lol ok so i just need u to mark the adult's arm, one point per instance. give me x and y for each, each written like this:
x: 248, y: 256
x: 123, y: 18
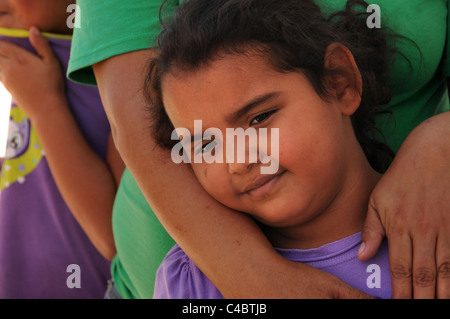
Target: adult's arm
x: 412, y: 201
x: 228, y: 246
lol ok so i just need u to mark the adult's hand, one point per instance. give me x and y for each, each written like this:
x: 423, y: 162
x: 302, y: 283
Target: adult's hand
x: 411, y: 206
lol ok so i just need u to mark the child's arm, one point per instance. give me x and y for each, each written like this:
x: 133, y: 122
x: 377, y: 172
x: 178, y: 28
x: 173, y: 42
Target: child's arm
x: 228, y: 246
x: 85, y: 181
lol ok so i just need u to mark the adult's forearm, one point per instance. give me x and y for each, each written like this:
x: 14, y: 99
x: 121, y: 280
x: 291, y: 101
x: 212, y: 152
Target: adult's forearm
x: 433, y: 134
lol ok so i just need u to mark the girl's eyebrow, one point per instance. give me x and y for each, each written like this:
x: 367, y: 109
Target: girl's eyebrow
x: 248, y: 106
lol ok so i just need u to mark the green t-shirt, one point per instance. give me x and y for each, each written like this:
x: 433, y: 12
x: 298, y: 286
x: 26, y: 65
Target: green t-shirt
x: 417, y: 79
x: 113, y: 27
x: 141, y: 242
x: 109, y: 28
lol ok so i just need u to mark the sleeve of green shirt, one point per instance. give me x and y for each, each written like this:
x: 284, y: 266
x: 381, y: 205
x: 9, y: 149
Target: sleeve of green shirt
x: 109, y: 28
x: 446, y: 59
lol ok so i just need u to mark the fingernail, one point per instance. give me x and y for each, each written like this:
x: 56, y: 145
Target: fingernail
x: 361, y: 248
x: 34, y: 30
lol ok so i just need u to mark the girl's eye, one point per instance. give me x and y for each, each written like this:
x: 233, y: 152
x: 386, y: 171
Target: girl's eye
x: 261, y: 117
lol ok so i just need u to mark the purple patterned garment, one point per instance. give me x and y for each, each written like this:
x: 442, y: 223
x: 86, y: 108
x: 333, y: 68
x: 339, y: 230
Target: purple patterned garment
x: 44, y: 253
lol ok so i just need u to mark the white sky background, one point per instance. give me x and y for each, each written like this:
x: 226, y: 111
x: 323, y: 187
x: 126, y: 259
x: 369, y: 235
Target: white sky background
x: 5, y: 103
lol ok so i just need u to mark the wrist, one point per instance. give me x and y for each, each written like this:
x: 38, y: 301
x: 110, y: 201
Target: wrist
x: 50, y: 106
x: 428, y: 140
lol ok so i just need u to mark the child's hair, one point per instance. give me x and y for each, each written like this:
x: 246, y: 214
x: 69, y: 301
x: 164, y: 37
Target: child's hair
x: 293, y: 35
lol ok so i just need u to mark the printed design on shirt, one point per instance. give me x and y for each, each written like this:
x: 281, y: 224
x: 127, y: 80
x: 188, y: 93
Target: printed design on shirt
x: 23, y: 151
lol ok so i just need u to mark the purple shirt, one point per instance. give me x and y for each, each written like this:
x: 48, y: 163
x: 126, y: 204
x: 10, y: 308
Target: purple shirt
x: 44, y: 253
x: 179, y: 278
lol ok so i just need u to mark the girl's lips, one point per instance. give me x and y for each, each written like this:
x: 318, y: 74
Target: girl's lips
x: 263, y: 185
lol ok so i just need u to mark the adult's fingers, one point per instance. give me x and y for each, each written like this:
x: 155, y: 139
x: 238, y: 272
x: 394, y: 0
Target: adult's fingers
x: 337, y: 289
x: 443, y: 266
x: 424, y: 266
x: 400, y: 257
x: 352, y: 293
x: 372, y: 235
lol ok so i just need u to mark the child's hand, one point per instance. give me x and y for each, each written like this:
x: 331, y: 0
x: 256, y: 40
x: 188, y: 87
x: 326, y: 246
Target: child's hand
x: 35, y: 81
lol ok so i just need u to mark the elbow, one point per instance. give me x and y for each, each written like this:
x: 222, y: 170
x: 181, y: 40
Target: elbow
x: 107, y: 251
x: 109, y: 255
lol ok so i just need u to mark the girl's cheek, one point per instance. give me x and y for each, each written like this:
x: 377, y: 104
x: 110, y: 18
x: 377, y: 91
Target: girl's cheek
x: 205, y: 175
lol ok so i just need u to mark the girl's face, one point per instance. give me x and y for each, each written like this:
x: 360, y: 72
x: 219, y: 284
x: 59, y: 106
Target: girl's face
x: 47, y: 15
x: 315, y: 156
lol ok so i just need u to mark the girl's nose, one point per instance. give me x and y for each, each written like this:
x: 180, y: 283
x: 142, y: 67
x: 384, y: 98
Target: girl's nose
x: 240, y: 168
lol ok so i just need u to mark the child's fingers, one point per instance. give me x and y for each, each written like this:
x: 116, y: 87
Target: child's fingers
x: 9, y: 53
x: 8, y: 49
x: 40, y: 44
x: 3, y: 49
x: 3, y: 62
x: 14, y: 53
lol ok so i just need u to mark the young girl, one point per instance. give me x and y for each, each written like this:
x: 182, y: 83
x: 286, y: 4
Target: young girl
x: 60, y: 169
x: 283, y: 67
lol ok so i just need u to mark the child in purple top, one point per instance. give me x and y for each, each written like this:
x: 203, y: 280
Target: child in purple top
x: 305, y: 89
x: 57, y: 177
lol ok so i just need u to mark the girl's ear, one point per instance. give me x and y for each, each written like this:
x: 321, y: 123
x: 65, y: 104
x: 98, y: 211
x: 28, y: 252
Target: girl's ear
x: 346, y: 82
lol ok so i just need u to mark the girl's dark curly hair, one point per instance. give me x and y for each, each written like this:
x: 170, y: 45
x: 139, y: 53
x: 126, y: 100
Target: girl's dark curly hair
x: 293, y: 35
